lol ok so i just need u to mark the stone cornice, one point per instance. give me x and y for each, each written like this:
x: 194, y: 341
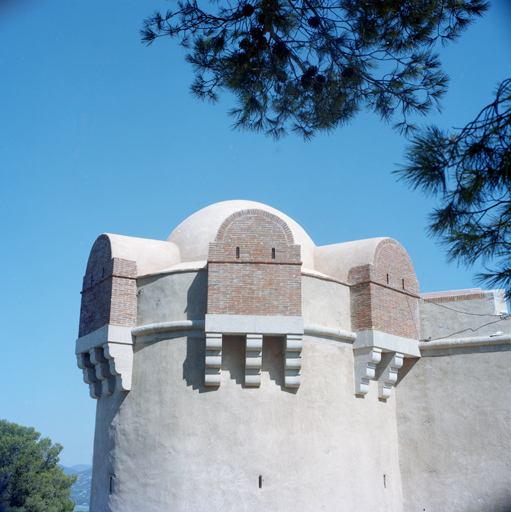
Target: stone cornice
x: 177, y: 325
x: 191, y: 325
x: 464, y: 345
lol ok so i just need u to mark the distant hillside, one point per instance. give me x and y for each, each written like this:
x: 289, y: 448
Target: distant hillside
x: 80, y: 492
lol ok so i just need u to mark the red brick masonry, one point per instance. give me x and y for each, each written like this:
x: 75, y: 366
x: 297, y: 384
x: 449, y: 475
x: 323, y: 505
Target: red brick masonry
x: 254, y: 267
x: 384, y: 296
x: 109, y: 290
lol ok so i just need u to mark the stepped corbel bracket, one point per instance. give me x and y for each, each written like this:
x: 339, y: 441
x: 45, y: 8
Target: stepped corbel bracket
x: 253, y: 360
x: 213, y: 359
x: 89, y: 374
x: 103, y: 374
x: 366, y: 360
x: 379, y: 356
x: 106, y: 358
x: 390, y: 364
x: 120, y: 359
x: 293, y: 361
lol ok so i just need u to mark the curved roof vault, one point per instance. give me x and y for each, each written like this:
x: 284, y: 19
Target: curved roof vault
x: 188, y: 245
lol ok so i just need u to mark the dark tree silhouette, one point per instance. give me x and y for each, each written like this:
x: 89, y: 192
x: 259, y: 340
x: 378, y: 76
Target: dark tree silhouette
x: 312, y: 65
x: 470, y: 170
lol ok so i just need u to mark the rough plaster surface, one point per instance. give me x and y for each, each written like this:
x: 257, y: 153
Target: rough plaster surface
x: 182, y: 296
x: 319, y: 448
x: 337, y: 260
x: 326, y: 303
x: 462, y: 318
x: 454, y: 417
x: 150, y: 255
x: 173, y: 444
x: 195, y: 233
x: 175, y: 296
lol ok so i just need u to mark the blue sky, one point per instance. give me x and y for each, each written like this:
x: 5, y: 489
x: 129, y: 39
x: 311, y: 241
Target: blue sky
x: 98, y: 133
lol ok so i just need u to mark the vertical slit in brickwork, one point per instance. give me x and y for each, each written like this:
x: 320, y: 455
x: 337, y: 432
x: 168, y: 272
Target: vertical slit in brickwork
x: 260, y: 481
x: 273, y: 253
x: 403, y: 284
x: 237, y: 252
x: 387, y: 279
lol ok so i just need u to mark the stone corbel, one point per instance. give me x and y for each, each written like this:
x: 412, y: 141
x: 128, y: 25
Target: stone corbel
x: 390, y: 364
x: 253, y: 360
x: 366, y: 360
x: 379, y: 356
x: 254, y: 327
x: 106, y: 358
x: 293, y: 361
x: 103, y: 374
x: 120, y: 359
x: 213, y: 359
x: 89, y: 374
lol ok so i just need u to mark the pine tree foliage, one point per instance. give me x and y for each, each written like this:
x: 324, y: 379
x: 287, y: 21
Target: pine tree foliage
x: 313, y: 64
x: 470, y: 171
x: 30, y: 479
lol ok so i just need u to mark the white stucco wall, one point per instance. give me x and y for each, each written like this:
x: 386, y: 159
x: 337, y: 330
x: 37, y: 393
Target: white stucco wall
x: 179, y: 446
x: 174, y: 444
x: 325, y: 303
x: 454, y: 419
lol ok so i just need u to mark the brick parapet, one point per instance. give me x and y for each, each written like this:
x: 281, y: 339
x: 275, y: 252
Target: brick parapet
x: 384, y: 295
x: 254, y: 214
x: 254, y: 268
x: 455, y: 298
x: 109, y: 290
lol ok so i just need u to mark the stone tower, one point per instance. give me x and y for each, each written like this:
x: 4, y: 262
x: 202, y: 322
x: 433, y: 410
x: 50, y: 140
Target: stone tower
x: 237, y: 366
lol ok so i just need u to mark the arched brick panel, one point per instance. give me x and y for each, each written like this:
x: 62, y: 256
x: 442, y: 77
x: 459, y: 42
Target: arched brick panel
x: 385, y: 293
x: 254, y: 268
x: 109, y: 290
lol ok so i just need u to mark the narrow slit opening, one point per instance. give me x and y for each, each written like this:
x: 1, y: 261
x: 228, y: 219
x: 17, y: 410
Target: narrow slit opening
x: 260, y: 481
x: 237, y: 252
x: 273, y: 253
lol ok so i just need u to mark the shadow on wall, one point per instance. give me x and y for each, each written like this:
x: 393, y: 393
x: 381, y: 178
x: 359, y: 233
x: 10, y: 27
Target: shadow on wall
x: 408, y: 364
x: 233, y: 361
x: 197, y: 297
x: 194, y: 366
x: 273, y: 361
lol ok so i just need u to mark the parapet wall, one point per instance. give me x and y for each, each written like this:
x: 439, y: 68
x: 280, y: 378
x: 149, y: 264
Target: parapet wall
x: 109, y: 290
x: 385, y: 293
x: 254, y: 268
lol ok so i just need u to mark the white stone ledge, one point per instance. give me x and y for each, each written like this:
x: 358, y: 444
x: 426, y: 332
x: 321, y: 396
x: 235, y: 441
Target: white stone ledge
x: 466, y: 345
x: 254, y: 324
x: 388, y: 343
x: 106, y: 358
x: 329, y: 332
x: 190, y: 325
x: 108, y: 333
x: 177, y: 325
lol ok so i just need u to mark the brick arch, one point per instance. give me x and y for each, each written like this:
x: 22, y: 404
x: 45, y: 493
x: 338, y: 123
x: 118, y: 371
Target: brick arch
x: 391, y: 258
x: 384, y: 293
x: 261, y: 217
x: 99, y: 258
x: 254, y: 268
x: 109, y: 289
